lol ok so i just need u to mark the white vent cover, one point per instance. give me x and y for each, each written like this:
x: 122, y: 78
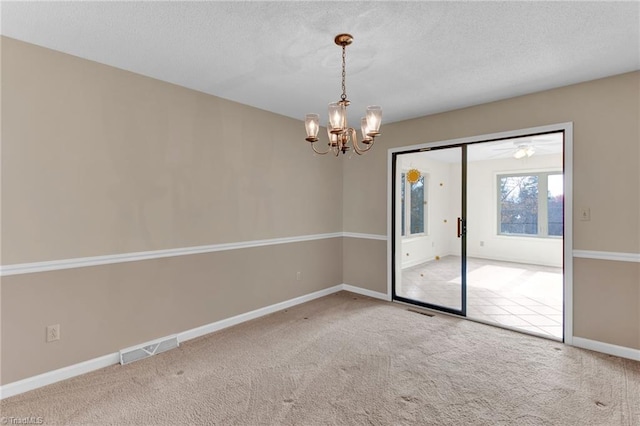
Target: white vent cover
x: 148, y: 349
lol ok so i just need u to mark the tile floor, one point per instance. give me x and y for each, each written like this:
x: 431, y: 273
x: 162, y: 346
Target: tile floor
x: 522, y: 296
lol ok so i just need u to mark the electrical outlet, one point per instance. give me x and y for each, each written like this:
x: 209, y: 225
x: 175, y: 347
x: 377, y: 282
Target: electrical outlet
x: 298, y: 276
x: 53, y: 333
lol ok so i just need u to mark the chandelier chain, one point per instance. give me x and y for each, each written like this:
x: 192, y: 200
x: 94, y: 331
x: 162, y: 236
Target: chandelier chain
x: 344, y: 73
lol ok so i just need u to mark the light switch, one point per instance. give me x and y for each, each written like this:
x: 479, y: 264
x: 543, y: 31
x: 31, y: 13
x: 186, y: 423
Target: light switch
x: 585, y: 214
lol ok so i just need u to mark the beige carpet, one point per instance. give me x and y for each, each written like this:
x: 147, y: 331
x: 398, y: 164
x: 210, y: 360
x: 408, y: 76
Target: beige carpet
x: 352, y: 360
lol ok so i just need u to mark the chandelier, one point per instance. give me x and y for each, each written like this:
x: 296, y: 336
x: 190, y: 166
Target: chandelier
x: 341, y: 137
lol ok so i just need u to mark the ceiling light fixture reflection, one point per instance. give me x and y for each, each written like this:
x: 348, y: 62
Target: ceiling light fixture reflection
x: 524, y: 151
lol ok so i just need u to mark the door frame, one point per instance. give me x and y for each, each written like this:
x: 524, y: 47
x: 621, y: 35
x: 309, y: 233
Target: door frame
x: 567, y: 128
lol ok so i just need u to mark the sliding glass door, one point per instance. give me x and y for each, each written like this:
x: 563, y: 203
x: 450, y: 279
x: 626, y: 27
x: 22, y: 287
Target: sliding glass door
x: 430, y: 228
x: 478, y: 230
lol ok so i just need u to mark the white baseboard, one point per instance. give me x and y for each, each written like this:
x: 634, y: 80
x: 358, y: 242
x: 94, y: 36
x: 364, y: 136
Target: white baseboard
x: 366, y: 292
x: 607, y: 348
x: 58, y: 375
x: 228, y: 322
x: 50, y: 377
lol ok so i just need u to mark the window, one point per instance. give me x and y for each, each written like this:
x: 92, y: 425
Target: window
x: 531, y: 204
x: 413, y: 195
x: 555, y: 204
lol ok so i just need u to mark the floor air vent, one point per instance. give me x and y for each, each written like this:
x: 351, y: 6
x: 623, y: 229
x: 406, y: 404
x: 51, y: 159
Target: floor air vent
x: 146, y: 350
x: 426, y: 314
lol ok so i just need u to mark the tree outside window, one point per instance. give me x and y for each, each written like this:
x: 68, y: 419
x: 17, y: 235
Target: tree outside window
x: 531, y: 204
x: 413, y: 195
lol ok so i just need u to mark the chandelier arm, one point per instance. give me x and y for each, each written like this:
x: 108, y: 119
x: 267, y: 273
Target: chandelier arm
x: 337, y: 149
x: 369, y: 146
x: 354, y: 142
x: 332, y: 148
x: 313, y: 146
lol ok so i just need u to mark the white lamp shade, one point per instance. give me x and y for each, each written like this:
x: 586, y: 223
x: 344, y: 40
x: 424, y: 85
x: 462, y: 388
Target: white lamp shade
x: 312, y: 124
x: 374, y: 118
x: 364, y: 126
x: 337, y: 117
x: 333, y: 138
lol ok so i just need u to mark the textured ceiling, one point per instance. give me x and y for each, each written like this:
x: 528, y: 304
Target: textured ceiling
x: 412, y: 58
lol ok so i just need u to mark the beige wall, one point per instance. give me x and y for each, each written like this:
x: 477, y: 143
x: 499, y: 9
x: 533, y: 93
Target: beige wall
x: 607, y: 294
x: 606, y: 178
x: 97, y: 161
x: 363, y: 265
x: 100, y: 161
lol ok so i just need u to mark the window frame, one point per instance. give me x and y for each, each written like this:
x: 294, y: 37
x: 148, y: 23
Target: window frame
x: 543, y: 205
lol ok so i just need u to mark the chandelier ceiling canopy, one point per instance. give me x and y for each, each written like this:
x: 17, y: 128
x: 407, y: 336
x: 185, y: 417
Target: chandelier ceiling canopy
x: 343, y: 138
